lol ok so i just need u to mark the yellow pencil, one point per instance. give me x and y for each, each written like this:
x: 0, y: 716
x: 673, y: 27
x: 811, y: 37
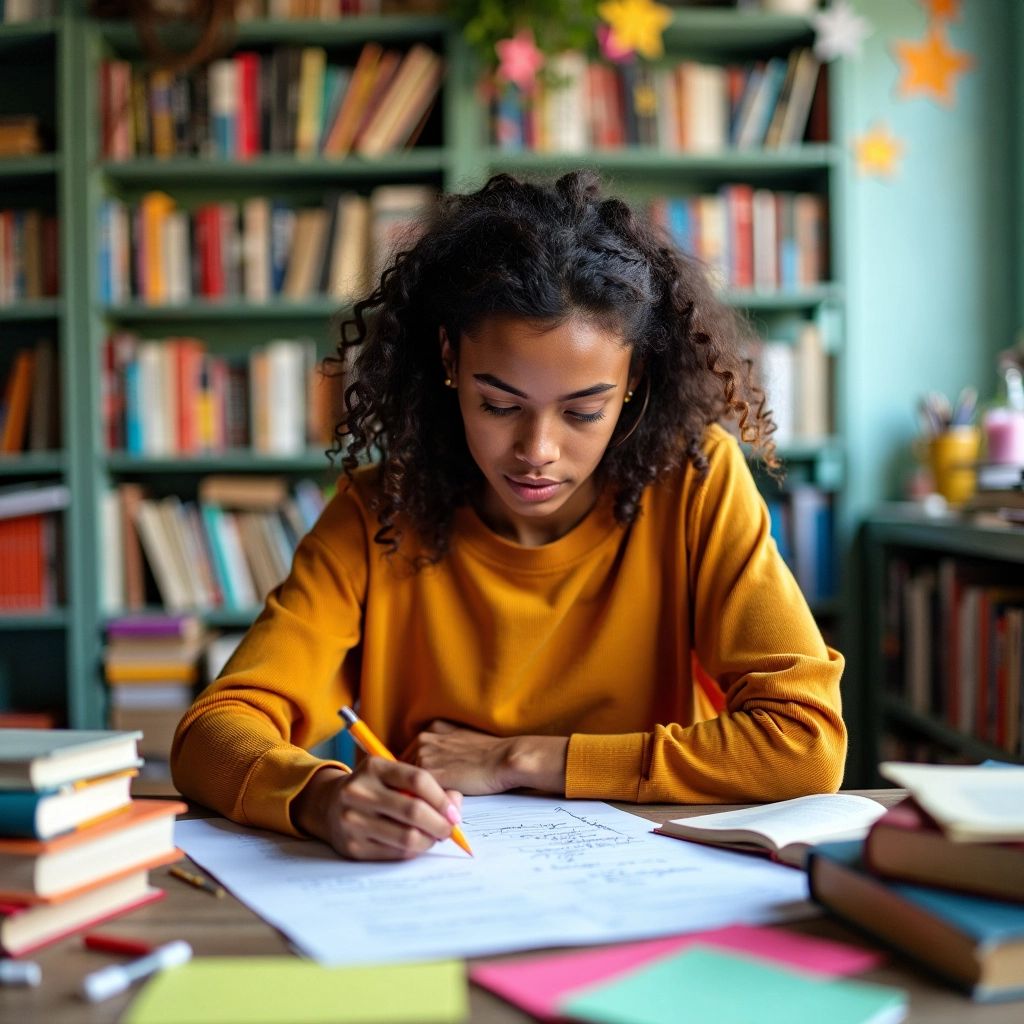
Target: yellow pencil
x: 364, y: 736
x: 198, y: 881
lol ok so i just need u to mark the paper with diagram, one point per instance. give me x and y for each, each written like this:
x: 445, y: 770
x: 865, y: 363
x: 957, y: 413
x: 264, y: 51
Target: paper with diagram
x: 547, y: 872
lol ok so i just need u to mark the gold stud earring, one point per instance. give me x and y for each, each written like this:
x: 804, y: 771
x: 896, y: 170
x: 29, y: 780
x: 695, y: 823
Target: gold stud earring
x: 447, y: 382
x: 629, y: 397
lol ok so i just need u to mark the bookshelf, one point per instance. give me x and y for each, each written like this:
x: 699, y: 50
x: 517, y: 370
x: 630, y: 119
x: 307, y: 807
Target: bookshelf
x: 454, y: 152
x: 927, y: 579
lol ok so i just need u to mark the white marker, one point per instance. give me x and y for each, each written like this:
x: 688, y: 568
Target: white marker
x: 109, y: 981
x: 20, y: 972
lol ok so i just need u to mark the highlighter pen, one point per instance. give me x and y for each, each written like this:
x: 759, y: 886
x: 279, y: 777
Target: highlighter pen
x: 364, y: 736
x: 116, y: 944
x: 109, y: 981
x: 26, y: 973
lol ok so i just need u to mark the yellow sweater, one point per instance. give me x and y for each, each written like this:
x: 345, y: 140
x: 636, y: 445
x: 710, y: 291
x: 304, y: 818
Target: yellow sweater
x: 591, y: 636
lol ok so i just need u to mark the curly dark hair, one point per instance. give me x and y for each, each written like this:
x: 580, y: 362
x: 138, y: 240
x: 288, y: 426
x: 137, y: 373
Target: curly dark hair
x: 544, y: 252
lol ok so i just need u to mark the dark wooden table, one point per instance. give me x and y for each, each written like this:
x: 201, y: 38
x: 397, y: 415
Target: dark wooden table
x: 219, y: 927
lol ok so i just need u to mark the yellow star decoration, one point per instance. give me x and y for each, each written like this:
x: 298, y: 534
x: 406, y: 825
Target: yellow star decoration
x: 637, y: 24
x: 948, y: 9
x: 931, y: 66
x: 877, y: 152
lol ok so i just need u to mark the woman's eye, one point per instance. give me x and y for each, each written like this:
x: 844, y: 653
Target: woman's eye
x: 498, y: 410
x: 587, y: 417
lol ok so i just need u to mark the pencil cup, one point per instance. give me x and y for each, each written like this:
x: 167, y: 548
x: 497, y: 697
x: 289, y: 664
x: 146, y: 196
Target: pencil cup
x: 1004, y: 436
x: 952, y: 456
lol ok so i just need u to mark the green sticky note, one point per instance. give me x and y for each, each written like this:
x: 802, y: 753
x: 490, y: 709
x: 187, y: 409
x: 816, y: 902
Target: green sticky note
x: 706, y: 984
x: 282, y: 990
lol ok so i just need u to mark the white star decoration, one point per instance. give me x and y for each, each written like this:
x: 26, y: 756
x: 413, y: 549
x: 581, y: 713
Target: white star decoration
x: 840, y: 32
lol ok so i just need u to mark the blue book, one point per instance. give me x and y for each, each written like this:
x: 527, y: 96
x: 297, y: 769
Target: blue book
x: 48, y: 813
x: 974, y: 942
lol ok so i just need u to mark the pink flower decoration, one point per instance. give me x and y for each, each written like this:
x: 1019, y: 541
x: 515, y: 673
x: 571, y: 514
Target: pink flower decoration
x: 611, y: 49
x: 520, y: 60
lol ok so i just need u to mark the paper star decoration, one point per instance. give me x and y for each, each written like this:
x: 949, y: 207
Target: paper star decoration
x: 636, y: 25
x: 519, y: 59
x: 610, y: 49
x: 948, y: 9
x: 877, y: 152
x: 931, y: 66
x: 839, y: 32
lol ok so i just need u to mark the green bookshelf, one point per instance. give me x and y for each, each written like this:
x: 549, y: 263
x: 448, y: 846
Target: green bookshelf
x: 82, y: 178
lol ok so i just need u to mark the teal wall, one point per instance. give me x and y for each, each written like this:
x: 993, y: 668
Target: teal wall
x: 934, y: 287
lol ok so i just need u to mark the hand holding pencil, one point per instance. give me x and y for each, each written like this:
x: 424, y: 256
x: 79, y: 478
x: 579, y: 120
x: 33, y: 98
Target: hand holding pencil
x: 385, y: 810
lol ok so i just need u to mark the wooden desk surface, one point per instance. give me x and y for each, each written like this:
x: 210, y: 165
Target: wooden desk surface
x: 219, y: 927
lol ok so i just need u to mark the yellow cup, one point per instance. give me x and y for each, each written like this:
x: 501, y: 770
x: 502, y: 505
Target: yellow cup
x: 952, y: 456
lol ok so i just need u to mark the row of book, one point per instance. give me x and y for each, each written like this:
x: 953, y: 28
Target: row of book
x: 691, y: 107
x: 31, y: 546
x: 796, y: 376
x: 173, y: 397
x: 940, y: 876
x: 953, y: 644
x: 14, y: 12
x: 75, y: 848
x: 321, y: 10
x: 29, y: 416
x: 227, y: 549
x: 803, y: 528
x: 258, y: 249
x: 288, y: 100
x: 750, y: 237
x: 29, y: 255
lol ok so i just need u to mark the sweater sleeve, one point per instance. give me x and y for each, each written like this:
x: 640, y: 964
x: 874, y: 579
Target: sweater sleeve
x: 781, y: 734
x: 241, y: 747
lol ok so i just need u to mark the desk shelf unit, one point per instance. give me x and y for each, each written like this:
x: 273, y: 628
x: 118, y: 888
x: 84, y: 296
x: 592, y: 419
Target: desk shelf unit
x: 943, y: 641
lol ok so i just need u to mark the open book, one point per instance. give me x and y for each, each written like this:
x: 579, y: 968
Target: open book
x: 784, y: 830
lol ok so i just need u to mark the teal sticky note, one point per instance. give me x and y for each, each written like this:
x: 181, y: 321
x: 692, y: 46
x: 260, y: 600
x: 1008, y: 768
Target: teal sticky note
x: 707, y: 984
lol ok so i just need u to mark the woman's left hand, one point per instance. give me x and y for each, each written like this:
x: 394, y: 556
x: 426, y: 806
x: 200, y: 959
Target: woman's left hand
x: 475, y: 763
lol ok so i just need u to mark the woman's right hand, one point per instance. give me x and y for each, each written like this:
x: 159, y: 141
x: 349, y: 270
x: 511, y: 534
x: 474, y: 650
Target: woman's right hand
x: 384, y: 810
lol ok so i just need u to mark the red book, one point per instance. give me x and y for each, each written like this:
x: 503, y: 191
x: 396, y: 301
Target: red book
x: 208, y: 244
x: 740, y: 206
x: 248, y: 78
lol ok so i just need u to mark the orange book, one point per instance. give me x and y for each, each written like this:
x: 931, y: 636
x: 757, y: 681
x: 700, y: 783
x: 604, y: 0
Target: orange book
x: 19, y: 391
x: 360, y: 87
x: 114, y: 847
x: 156, y: 207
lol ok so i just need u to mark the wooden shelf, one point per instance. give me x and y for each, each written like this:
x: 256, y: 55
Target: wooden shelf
x: 225, y: 462
x: 32, y: 309
x: 32, y: 463
x: 348, y: 31
x: 21, y: 34
x: 55, y: 618
x: 905, y: 525
x: 229, y: 309
x: 39, y: 166
x: 417, y: 163
x: 725, y: 30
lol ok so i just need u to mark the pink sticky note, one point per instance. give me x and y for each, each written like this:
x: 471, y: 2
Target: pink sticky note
x: 538, y: 983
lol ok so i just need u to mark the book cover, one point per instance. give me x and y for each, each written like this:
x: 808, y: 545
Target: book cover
x: 43, y: 758
x: 48, y: 813
x: 906, y: 844
x: 973, y: 942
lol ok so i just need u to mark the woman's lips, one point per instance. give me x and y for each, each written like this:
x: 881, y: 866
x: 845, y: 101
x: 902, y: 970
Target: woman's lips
x: 532, y: 490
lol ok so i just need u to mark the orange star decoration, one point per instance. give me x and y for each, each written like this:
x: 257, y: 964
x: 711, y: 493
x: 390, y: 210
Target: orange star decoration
x: 877, y: 152
x: 947, y: 9
x: 931, y: 66
x: 636, y: 24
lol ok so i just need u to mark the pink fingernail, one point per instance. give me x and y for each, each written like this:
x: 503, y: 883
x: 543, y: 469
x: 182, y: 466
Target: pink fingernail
x: 452, y: 814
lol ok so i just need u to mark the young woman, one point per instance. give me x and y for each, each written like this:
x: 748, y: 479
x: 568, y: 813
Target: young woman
x: 559, y: 575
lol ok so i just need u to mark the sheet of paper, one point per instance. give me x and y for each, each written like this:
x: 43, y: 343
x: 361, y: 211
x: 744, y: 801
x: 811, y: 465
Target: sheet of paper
x: 703, y: 984
x: 546, y: 873
x: 283, y: 990
x: 537, y: 984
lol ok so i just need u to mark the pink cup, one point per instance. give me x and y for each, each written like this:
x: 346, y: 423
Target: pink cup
x: 1004, y: 436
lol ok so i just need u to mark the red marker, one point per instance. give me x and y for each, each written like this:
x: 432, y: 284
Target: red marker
x: 116, y: 944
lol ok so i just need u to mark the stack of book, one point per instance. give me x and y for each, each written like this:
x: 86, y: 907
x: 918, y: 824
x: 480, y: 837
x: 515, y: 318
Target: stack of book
x: 940, y: 876
x: 75, y: 848
x: 151, y: 664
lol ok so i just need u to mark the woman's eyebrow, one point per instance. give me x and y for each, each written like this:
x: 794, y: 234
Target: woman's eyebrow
x: 496, y: 382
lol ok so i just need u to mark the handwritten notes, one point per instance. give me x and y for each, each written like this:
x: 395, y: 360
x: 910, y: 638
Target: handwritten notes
x: 546, y: 872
